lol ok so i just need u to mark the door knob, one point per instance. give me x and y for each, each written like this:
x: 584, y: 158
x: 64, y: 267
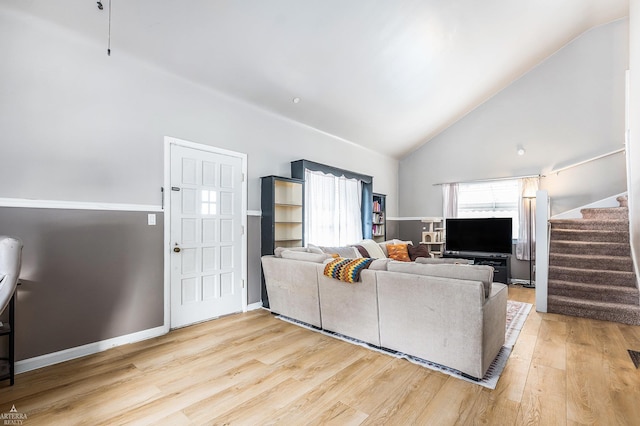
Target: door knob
x: 176, y: 249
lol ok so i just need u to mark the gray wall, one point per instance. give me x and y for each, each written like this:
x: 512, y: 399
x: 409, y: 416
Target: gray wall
x: 78, y: 125
x: 567, y: 109
x: 86, y: 276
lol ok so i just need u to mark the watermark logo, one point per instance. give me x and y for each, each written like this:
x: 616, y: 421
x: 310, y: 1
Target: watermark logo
x: 13, y: 417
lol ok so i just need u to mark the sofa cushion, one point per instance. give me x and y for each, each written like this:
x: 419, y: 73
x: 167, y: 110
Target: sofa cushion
x: 481, y: 273
x: 419, y: 250
x: 398, y: 252
x: 314, y: 249
x: 307, y: 257
x: 278, y: 250
x: 345, y: 251
x: 379, y: 265
x: 373, y: 249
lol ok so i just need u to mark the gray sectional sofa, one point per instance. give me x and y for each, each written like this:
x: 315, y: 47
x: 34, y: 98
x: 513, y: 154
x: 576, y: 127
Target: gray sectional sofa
x: 449, y: 314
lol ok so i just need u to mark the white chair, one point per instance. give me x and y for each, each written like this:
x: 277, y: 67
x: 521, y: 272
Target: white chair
x: 10, y: 264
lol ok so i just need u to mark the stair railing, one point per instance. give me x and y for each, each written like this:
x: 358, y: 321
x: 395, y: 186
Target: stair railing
x: 589, y: 160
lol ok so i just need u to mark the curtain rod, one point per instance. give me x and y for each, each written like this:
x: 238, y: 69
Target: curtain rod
x: 490, y: 179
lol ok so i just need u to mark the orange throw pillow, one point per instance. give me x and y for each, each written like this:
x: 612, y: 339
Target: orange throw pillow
x: 398, y: 252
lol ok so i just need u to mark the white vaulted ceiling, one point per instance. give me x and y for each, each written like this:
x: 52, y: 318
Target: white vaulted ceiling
x: 387, y: 75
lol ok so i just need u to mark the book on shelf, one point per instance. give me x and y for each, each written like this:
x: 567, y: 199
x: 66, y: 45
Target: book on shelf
x: 378, y: 229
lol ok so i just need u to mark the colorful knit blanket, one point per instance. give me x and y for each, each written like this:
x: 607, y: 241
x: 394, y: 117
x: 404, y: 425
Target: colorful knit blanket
x: 347, y: 270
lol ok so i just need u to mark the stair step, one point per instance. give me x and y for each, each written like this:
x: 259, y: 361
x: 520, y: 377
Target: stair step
x: 599, y: 235
x: 606, y: 213
x: 584, y: 291
x: 593, y: 276
x: 590, y: 248
x: 604, y: 311
x: 592, y: 224
x: 611, y: 263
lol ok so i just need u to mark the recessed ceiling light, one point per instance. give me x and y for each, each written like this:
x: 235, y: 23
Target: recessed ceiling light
x: 521, y: 151
x: 296, y: 100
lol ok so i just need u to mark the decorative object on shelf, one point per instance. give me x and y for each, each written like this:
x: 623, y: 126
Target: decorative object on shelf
x: 432, y: 235
x: 379, y: 231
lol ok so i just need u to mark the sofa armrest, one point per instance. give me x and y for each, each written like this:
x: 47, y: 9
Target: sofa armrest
x: 292, y: 286
x: 494, y: 323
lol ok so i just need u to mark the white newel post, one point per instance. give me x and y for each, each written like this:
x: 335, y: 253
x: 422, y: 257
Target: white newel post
x: 542, y: 249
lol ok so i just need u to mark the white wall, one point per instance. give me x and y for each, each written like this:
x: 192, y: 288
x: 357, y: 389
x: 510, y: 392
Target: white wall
x: 567, y: 109
x: 79, y: 125
x: 634, y: 126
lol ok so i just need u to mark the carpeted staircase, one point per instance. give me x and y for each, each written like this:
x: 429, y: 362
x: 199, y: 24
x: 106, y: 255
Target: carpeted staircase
x: 590, y: 266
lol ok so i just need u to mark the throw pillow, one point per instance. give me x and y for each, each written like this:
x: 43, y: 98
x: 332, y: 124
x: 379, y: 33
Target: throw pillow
x: 383, y: 245
x: 363, y: 251
x: 373, y: 249
x: 420, y: 250
x: 398, y: 252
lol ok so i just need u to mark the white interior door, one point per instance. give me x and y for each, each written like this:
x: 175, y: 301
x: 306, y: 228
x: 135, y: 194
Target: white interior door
x: 206, y: 235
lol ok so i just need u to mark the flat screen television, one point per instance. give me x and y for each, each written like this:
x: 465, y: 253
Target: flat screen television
x: 486, y: 235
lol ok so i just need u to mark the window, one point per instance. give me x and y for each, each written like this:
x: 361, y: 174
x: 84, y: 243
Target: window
x: 332, y: 209
x: 498, y: 198
x: 208, y: 204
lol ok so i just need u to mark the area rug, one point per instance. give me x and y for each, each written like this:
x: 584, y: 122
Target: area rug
x: 517, y: 313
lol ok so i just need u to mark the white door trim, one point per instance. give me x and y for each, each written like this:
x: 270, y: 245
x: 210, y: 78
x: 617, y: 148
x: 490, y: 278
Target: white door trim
x: 168, y: 141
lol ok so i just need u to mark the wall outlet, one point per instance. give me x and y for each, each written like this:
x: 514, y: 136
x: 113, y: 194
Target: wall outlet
x: 151, y: 219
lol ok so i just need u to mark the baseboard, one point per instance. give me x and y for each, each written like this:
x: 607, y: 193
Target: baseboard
x: 254, y: 306
x: 88, y: 349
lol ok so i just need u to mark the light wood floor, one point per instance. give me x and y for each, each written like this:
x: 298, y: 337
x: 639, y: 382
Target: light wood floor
x: 255, y: 369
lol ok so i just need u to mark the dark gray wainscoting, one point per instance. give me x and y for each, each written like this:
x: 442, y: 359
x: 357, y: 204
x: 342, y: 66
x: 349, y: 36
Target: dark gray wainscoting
x: 393, y: 229
x: 87, y: 276
x: 254, y: 268
x: 410, y: 230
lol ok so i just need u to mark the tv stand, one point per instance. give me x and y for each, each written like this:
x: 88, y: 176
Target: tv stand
x: 501, y: 263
